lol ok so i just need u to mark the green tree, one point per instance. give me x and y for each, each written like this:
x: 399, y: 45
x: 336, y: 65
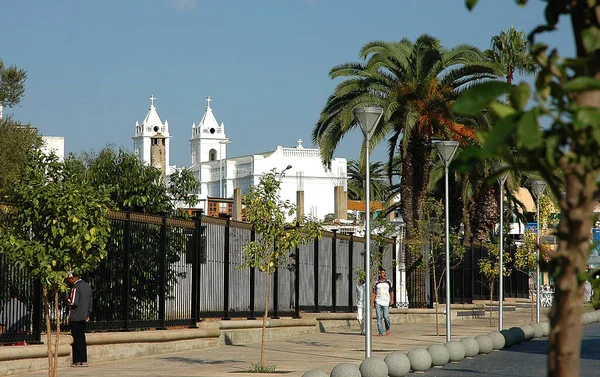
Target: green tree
x: 526, y: 260
x: 567, y: 93
x: 138, y: 187
x: 490, y: 270
x: 59, y: 225
x: 16, y: 141
x: 511, y: 49
x: 267, y: 212
x: 430, y: 238
x: 12, y: 85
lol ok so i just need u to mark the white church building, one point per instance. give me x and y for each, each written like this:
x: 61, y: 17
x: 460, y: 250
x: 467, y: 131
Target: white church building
x: 315, y: 190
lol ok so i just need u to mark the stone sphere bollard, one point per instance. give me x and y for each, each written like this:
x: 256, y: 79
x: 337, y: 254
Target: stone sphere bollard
x: 398, y: 364
x: 471, y: 346
x: 314, y: 373
x: 538, y: 330
x: 528, y: 330
x: 498, y: 340
x: 596, y: 316
x: 345, y: 370
x: 509, y: 338
x: 517, y: 334
x: 456, y: 350
x: 373, y: 367
x: 420, y: 359
x: 546, y: 327
x: 486, y: 344
x: 585, y: 318
x: 439, y: 355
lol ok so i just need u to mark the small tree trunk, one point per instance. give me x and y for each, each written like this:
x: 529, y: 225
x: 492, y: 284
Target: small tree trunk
x: 531, y: 294
x: 437, y: 301
x: 491, y: 303
x: 57, y: 338
x: 48, y: 331
x: 264, y: 324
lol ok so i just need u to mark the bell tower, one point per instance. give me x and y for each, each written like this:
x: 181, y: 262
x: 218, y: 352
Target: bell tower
x: 208, y: 142
x: 151, y: 140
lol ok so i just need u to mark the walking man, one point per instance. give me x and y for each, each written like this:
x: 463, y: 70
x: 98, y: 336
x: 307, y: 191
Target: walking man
x: 382, y: 297
x: 80, y: 303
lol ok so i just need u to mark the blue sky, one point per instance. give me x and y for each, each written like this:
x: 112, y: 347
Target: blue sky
x: 92, y: 65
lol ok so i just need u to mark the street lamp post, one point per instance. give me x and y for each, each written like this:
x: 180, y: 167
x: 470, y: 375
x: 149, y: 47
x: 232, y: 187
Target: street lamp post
x: 538, y: 188
x: 446, y: 150
x: 501, y: 180
x: 221, y: 143
x: 367, y: 118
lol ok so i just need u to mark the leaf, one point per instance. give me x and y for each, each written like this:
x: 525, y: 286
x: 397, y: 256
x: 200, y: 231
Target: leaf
x: 519, y: 95
x: 471, y: 4
x: 501, y: 110
x: 582, y: 84
x: 480, y: 95
x: 500, y: 133
x: 591, y: 39
x: 528, y: 130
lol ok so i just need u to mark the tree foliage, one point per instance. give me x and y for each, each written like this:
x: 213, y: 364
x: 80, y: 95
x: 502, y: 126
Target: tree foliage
x: 564, y: 153
x: 16, y: 142
x: 12, y: 85
x: 138, y: 187
x: 264, y: 209
x: 490, y: 269
x: 59, y: 225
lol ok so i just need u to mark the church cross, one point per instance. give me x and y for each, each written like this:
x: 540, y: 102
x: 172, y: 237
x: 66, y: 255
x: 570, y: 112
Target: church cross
x: 152, y: 98
x: 209, y: 100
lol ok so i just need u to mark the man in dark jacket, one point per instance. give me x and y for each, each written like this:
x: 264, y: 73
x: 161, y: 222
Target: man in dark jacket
x: 80, y: 303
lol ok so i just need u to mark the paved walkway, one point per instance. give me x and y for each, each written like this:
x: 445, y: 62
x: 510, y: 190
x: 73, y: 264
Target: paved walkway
x: 292, y: 356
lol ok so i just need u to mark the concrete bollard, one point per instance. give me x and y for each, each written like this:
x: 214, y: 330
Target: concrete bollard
x: 345, y: 370
x: 486, y: 344
x: 456, y: 351
x: 498, y: 340
x: 420, y: 359
x: 517, y: 334
x: 471, y: 346
x: 373, y: 367
x: 528, y: 330
x: 538, y: 330
x: 439, y: 355
x: 398, y: 364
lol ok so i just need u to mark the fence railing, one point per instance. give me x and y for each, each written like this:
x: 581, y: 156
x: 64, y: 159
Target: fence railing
x: 163, y: 272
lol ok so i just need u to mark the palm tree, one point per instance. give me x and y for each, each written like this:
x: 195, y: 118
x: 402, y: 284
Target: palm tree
x: 415, y: 84
x: 379, y: 184
x: 511, y: 50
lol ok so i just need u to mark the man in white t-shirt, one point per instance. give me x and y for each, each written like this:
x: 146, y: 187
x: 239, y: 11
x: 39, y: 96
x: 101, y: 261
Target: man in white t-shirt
x: 381, y: 298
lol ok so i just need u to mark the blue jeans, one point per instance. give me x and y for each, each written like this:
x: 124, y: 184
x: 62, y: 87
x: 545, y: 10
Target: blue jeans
x: 383, y: 315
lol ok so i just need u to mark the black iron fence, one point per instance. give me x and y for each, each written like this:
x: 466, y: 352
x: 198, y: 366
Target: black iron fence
x: 163, y: 272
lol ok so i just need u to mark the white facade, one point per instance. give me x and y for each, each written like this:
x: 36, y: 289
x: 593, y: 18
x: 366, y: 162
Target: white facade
x: 219, y: 176
x: 54, y: 144
x: 150, y: 127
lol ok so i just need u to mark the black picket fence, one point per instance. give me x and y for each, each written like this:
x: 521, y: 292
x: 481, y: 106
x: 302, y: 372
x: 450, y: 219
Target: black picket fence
x: 166, y: 272
x: 467, y: 282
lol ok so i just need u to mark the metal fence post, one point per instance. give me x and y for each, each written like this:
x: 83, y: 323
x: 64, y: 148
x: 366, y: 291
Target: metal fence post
x: 333, y: 271
x: 196, y: 271
x: 316, y: 273
x: 297, y: 284
x: 350, y: 257
x: 252, y: 281
x: 275, y: 290
x: 163, y: 275
x: 126, y: 268
x: 226, y: 271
